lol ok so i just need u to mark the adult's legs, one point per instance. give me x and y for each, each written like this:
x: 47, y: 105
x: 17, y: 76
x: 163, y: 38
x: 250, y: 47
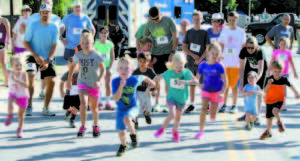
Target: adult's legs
x: 49, y: 90
x: 4, y: 65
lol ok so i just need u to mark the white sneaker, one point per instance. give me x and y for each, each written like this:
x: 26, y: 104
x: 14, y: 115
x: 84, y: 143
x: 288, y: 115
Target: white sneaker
x: 46, y: 112
x: 156, y: 108
x: 42, y: 94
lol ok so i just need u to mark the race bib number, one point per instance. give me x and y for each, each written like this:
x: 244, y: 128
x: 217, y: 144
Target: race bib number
x: 282, y: 57
x: 31, y: 67
x: 213, y: 40
x: 84, y: 71
x: 162, y: 40
x: 1, y: 35
x: 77, y: 31
x: 195, y: 47
x: 105, y: 56
x: 74, y: 90
x: 230, y: 51
x: 175, y: 84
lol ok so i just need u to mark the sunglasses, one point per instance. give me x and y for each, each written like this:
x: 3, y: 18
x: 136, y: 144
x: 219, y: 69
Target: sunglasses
x: 27, y: 10
x: 155, y: 19
x: 250, y: 48
x: 215, y: 21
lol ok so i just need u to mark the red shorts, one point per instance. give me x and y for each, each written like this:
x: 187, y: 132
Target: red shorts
x: 212, y: 96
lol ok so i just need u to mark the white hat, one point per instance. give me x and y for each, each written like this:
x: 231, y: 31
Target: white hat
x: 45, y: 7
x: 26, y: 7
x: 77, y: 3
x: 216, y: 16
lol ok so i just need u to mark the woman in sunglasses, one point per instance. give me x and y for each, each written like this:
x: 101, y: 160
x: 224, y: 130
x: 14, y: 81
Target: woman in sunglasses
x: 215, y: 30
x: 252, y: 59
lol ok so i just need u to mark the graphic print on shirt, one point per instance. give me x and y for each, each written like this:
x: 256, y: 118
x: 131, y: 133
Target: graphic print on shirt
x: 253, y: 62
x: 84, y: 65
x: 128, y: 91
x: 160, y: 35
x: 282, y: 57
x: 175, y: 84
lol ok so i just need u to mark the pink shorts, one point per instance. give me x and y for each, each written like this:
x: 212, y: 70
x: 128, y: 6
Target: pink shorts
x: 21, y: 102
x: 212, y: 96
x: 93, y: 92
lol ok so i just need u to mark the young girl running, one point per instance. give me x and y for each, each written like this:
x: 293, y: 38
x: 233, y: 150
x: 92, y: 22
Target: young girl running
x: 250, y: 92
x: 177, y: 78
x: 88, y: 82
x: 214, y: 84
x: 106, y: 50
x: 284, y: 55
x: 18, y: 93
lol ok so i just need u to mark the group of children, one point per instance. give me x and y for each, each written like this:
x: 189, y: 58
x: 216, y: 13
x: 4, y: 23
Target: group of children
x: 132, y: 89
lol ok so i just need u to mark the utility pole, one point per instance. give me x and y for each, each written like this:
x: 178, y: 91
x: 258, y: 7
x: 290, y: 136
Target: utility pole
x: 221, y: 6
x: 11, y: 13
x: 249, y: 13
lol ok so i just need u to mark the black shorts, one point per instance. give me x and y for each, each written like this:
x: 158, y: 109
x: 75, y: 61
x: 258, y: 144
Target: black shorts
x: 160, y: 66
x: 270, y: 107
x: 32, y: 65
x: 68, y: 54
x: 71, y: 101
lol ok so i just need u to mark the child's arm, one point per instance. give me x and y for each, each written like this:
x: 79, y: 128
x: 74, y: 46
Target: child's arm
x: 270, y: 81
x: 293, y: 67
x: 225, y: 83
x: 112, y: 59
x: 193, y: 81
x: 20, y: 82
x: 244, y: 93
x: 198, y: 76
x: 117, y: 96
x: 102, y: 71
x: 61, y: 89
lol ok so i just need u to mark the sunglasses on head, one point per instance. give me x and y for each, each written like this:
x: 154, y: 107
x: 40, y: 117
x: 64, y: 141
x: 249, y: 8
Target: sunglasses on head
x: 250, y: 48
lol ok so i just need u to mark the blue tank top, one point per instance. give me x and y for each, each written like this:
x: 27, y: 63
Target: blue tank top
x: 250, y: 101
x: 213, y: 37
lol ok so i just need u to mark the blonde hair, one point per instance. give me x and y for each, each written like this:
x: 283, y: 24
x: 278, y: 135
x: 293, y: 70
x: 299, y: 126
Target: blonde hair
x: 217, y: 47
x: 277, y: 65
x: 125, y: 59
x: 252, y: 40
x: 177, y: 58
x: 252, y: 73
x: 87, y: 36
x: 16, y: 58
x: 146, y: 40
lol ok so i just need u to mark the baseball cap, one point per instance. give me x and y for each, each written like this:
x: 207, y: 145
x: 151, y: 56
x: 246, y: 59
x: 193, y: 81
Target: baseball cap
x: 45, y: 7
x: 154, y: 11
x: 77, y: 3
x: 26, y: 8
x: 216, y: 16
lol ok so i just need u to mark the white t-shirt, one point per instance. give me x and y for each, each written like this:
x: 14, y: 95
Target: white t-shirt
x: 233, y: 41
x: 19, y: 35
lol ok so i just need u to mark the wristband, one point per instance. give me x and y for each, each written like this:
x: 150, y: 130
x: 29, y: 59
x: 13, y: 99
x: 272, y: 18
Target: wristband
x: 173, y: 51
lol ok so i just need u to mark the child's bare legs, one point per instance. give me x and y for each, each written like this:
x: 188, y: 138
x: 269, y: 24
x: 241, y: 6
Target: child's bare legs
x: 83, y: 106
x: 276, y: 113
x: 259, y: 103
x: 253, y: 118
x: 177, y: 119
x: 122, y: 136
x: 205, y: 102
x: 10, y: 106
x: 21, y: 115
x: 213, y: 111
x: 226, y: 95
x: 248, y: 118
x: 234, y: 95
x: 269, y: 124
x: 170, y: 117
x: 128, y: 122
x: 93, y: 102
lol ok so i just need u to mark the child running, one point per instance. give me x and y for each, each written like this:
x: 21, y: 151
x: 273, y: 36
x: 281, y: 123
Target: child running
x: 177, y: 78
x: 124, y: 90
x: 214, y: 84
x: 88, y: 82
x: 143, y: 92
x: 250, y: 92
x: 106, y: 50
x: 18, y: 93
x: 284, y: 55
x: 275, y: 97
x: 71, y: 97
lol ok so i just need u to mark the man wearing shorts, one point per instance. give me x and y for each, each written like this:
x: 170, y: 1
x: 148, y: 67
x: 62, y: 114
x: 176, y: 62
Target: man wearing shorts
x: 162, y: 30
x: 74, y: 24
x: 194, y: 44
x: 41, y: 40
x: 232, y: 40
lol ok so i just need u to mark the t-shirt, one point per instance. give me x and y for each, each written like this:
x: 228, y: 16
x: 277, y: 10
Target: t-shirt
x: 233, y: 41
x: 161, y: 33
x: 196, y: 41
x: 88, y: 67
x: 213, y: 37
x: 74, y: 89
x: 149, y: 73
x: 253, y: 59
x: 74, y: 26
x: 276, y: 92
x: 19, y: 35
x: 104, y: 50
x: 250, y: 101
x: 37, y: 16
x: 140, y: 32
x: 180, y: 37
x: 177, y: 92
x: 41, y: 37
x: 128, y: 98
x: 284, y: 57
x: 212, y: 76
x: 116, y: 37
x: 279, y: 31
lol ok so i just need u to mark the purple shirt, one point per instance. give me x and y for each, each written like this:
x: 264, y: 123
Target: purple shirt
x: 212, y: 76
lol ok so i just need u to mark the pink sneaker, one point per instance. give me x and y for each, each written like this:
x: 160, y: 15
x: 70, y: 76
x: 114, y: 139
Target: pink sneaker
x: 199, y: 135
x: 8, y: 120
x: 19, y: 133
x: 176, y: 137
x: 108, y: 107
x: 159, y: 132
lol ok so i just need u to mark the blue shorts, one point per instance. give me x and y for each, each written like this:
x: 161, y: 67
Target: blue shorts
x: 251, y: 109
x: 131, y: 112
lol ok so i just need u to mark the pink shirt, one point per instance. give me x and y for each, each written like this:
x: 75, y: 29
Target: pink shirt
x: 284, y: 57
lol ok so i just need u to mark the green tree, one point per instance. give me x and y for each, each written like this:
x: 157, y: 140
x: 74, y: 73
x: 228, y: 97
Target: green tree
x: 232, y: 5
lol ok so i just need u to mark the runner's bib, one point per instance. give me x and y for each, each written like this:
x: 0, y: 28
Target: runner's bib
x: 74, y: 90
x: 162, y: 40
x: 175, y: 84
x: 31, y: 66
x: 230, y: 51
x: 77, y: 31
x: 195, y: 47
x: 282, y: 57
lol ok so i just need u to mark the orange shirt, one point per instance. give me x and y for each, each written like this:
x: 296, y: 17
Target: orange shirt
x: 276, y: 91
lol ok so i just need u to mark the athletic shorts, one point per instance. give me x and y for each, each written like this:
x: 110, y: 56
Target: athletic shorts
x: 22, y: 102
x: 93, y: 92
x: 172, y: 103
x: 71, y: 101
x: 32, y: 65
x: 68, y: 54
x: 144, y: 101
x: 160, y: 66
x: 120, y: 114
x: 270, y: 107
x: 2, y: 45
x: 251, y: 109
x: 232, y: 76
x: 212, y: 96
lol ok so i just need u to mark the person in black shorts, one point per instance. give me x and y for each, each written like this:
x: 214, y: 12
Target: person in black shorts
x: 252, y: 59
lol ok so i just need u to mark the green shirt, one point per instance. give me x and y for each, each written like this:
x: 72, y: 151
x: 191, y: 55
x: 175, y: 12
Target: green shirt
x: 140, y: 32
x: 177, y: 92
x: 161, y: 33
x: 104, y: 50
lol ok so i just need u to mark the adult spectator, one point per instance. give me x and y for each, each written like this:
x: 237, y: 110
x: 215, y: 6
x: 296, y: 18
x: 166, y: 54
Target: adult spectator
x: 181, y: 34
x: 215, y: 30
x: 139, y: 35
x: 117, y: 37
x: 95, y: 23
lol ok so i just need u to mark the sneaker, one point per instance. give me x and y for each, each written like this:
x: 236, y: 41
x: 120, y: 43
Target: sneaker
x: 67, y: 115
x: 284, y: 108
x: 156, y: 108
x: 189, y: 109
x: 108, y: 107
x: 159, y: 132
x: 281, y: 127
x: 176, y: 137
x: 233, y: 109
x: 81, y: 131
x: 242, y: 118
x: 257, y: 122
x: 96, y: 131
x: 223, y: 109
x: 42, y: 95
x: 165, y: 110
x: 46, y: 112
x: 134, y: 140
x: 136, y: 123
x: 265, y: 135
x: 88, y: 108
x: 19, y: 133
x: 29, y: 110
x: 100, y: 106
x: 248, y: 127
x: 199, y: 135
x: 148, y: 118
x: 8, y: 119
x: 122, y: 150
x: 72, y: 123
